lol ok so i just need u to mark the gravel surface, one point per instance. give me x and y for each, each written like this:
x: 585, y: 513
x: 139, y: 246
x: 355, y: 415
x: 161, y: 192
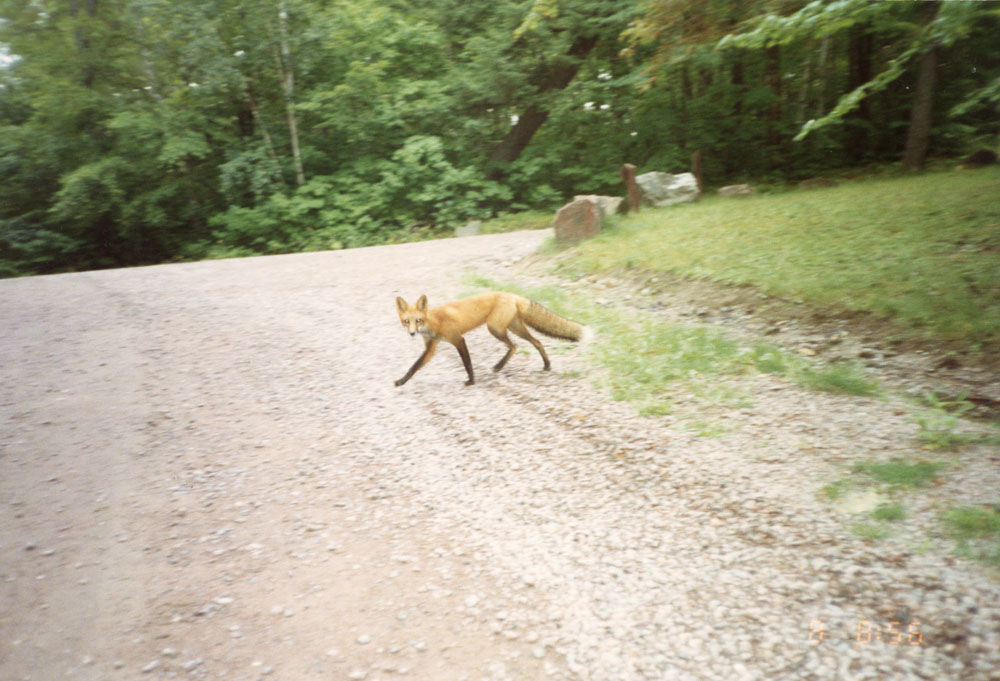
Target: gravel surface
x: 206, y: 472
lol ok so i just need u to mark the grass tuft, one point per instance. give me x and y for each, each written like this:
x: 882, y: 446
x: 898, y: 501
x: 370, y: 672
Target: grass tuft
x: 889, y: 512
x: 840, y: 378
x: 977, y: 531
x: 899, y: 473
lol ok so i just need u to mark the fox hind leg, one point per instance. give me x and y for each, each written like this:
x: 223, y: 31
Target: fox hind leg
x: 505, y: 339
x: 518, y: 327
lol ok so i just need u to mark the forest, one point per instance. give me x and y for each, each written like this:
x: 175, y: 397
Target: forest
x: 146, y: 131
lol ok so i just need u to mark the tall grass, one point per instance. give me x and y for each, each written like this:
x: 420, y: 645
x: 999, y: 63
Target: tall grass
x: 924, y: 250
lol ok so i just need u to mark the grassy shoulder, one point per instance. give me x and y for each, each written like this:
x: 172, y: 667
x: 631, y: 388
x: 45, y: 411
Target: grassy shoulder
x: 654, y: 365
x: 923, y: 251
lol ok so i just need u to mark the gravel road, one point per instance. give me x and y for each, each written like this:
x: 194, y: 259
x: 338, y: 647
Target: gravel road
x: 207, y: 473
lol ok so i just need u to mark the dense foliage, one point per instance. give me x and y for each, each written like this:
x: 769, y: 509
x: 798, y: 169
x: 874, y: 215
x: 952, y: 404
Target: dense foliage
x: 138, y: 131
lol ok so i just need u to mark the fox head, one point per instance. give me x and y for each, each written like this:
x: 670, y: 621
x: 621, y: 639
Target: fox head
x: 413, y: 317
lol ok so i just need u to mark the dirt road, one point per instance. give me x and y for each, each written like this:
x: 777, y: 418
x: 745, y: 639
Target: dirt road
x: 207, y: 473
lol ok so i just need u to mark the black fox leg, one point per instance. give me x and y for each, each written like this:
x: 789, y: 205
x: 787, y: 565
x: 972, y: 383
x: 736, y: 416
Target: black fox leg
x: 463, y: 351
x: 430, y: 346
x: 521, y: 330
x: 505, y: 339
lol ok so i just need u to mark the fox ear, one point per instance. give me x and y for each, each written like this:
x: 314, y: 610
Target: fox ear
x: 422, y: 303
x: 401, y: 304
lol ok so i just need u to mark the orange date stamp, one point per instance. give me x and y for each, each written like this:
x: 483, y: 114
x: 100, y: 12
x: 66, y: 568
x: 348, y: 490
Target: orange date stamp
x: 866, y: 631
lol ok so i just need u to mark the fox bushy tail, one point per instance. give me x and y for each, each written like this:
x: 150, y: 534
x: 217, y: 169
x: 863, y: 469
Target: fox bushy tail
x: 545, y: 321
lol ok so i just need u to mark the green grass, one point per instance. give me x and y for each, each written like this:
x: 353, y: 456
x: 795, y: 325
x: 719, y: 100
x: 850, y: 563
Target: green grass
x: 889, y: 512
x: 654, y: 365
x: 939, y: 419
x: 899, y: 473
x: 538, y: 219
x: 869, y: 530
x: 840, y: 378
x: 924, y: 250
x: 977, y: 531
x: 838, y: 489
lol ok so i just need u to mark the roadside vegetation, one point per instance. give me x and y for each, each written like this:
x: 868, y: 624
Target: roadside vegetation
x: 653, y: 365
x: 922, y: 251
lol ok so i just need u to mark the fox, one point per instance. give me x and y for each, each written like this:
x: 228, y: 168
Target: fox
x: 501, y: 312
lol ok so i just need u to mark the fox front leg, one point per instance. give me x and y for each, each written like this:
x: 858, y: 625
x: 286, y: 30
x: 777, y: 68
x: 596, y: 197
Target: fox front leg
x: 463, y: 352
x: 430, y: 346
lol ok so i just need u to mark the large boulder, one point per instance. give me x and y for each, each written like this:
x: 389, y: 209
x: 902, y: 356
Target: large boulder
x: 663, y: 189
x: 578, y: 220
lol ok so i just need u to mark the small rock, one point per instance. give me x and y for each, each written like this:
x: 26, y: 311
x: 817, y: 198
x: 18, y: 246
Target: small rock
x: 150, y: 667
x: 364, y: 639
x: 736, y: 190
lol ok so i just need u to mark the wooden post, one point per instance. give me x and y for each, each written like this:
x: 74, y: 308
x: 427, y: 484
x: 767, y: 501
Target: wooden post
x: 628, y: 177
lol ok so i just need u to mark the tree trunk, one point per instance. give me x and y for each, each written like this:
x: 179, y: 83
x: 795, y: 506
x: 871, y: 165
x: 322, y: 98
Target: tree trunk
x: 919, y: 133
x: 558, y: 77
x: 773, y: 56
x: 288, y: 85
x: 89, y: 73
x: 823, y: 76
x: 859, y: 68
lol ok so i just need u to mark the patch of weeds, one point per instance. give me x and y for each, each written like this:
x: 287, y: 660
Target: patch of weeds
x: 840, y: 378
x: 870, y: 531
x: 899, y: 473
x: 769, y: 359
x: 838, y: 489
x: 940, y: 419
x: 889, y: 512
x: 977, y: 531
x: 708, y: 428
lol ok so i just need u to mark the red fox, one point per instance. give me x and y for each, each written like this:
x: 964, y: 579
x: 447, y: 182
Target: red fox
x: 499, y: 311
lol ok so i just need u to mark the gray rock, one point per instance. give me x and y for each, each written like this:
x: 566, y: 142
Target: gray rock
x: 736, y: 190
x: 663, y: 189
